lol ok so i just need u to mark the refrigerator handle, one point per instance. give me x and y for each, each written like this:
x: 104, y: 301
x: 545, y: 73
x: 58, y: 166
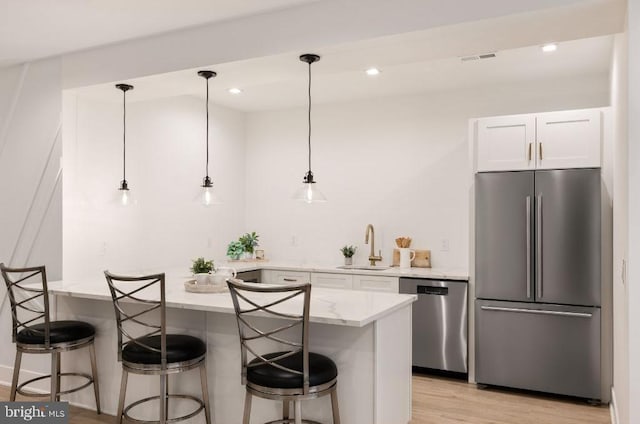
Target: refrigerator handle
x: 528, y: 271
x: 537, y: 311
x: 539, y: 247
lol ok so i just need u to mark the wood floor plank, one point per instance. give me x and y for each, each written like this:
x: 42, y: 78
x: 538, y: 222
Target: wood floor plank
x: 438, y: 400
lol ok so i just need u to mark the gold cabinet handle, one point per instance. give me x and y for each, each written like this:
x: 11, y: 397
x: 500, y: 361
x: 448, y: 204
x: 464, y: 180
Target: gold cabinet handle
x: 530, y: 151
x: 540, y: 149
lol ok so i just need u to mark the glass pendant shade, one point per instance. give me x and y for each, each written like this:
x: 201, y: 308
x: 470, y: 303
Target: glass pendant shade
x: 207, y: 196
x: 124, y: 196
x: 309, y: 192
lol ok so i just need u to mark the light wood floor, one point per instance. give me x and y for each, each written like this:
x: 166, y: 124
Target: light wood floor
x: 439, y: 400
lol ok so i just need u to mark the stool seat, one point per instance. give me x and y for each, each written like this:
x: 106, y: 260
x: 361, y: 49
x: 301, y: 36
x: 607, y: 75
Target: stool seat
x: 180, y: 348
x: 322, y: 370
x: 59, y: 332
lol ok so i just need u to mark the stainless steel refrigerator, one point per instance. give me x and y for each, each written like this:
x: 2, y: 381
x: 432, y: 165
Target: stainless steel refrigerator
x: 538, y: 280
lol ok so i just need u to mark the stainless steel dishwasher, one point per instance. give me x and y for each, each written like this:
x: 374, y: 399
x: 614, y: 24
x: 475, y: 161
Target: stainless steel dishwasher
x: 439, y: 323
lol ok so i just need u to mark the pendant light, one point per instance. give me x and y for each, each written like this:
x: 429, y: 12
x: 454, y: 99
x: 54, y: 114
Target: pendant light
x: 309, y: 192
x: 207, y: 197
x: 124, y: 193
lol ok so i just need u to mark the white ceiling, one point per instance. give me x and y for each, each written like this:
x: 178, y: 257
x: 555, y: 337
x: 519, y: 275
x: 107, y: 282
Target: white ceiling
x: 31, y: 29
x: 419, y: 62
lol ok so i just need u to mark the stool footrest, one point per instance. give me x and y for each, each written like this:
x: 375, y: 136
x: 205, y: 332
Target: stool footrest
x: 89, y: 379
x: 200, y: 403
x: 292, y: 420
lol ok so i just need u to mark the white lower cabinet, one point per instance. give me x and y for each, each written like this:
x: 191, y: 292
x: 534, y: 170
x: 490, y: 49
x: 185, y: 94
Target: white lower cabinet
x: 285, y: 277
x: 376, y: 283
x: 332, y: 281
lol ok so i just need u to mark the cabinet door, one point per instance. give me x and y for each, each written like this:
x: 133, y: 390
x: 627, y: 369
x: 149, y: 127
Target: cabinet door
x: 376, y: 283
x: 332, y: 281
x: 506, y: 143
x: 568, y: 139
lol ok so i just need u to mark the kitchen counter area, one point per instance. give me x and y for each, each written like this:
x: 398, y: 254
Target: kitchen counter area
x: 367, y: 334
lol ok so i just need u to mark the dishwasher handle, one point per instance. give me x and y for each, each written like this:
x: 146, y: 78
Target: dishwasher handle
x: 433, y: 290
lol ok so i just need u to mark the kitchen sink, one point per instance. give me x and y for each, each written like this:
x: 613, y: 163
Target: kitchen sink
x: 364, y: 267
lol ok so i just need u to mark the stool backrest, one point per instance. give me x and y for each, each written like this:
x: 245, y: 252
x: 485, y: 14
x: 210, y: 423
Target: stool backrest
x: 252, y: 303
x: 135, y: 300
x: 26, y: 287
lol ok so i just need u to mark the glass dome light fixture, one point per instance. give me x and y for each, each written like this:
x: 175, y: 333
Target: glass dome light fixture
x: 207, y: 197
x: 309, y: 192
x: 124, y: 193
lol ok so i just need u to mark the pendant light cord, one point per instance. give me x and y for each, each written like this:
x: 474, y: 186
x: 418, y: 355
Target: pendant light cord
x: 124, y: 135
x: 309, y: 118
x: 207, y: 106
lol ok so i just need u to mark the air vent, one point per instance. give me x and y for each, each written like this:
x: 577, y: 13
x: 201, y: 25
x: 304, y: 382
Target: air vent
x: 478, y: 57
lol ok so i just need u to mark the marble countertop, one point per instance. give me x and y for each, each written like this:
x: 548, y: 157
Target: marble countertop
x: 329, y: 306
x: 439, y: 273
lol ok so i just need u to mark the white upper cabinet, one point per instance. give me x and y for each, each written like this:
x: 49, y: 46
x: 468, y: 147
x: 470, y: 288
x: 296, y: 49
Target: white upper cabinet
x: 568, y: 139
x: 506, y: 143
x: 553, y: 140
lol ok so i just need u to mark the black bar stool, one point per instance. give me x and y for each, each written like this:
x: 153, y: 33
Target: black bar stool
x: 153, y: 352
x: 293, y: 374
x: 34, y: 332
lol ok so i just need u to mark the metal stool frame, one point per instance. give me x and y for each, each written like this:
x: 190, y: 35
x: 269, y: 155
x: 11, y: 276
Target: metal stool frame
x: 28, y: 311
x: 127, y: 323
x: 250, y: 332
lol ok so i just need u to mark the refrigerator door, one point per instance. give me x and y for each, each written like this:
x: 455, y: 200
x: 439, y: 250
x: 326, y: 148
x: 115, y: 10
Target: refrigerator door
x: 568, y: 236
x: 548, y: 348
x: 504, y: 238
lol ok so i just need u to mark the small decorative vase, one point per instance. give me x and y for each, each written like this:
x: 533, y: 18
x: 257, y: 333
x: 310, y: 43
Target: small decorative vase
x: 202, y: 278
x: 348, y: 261
x: 247, y: 255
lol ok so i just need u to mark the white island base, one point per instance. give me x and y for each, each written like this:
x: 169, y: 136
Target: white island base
x: 367, y: 334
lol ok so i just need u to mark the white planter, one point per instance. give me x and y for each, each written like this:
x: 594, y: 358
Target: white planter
x: 202, y: 278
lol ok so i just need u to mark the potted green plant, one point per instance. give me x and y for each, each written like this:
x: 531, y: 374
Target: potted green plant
x: 201, y: 269
x: 249, y: 242
x: 348, y: 252
x: 235, y: 249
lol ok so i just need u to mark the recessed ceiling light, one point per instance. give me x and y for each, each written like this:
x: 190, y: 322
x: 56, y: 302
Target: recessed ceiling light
x: 548, y: 48
x: 372, y: 71
x: 235, y: 90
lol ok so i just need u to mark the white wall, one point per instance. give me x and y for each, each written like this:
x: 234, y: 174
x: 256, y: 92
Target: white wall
x: 165, y: 167
x: 633, y: 282
x: 30, y: 182
x: 620, y: 395
x: 398, y: 163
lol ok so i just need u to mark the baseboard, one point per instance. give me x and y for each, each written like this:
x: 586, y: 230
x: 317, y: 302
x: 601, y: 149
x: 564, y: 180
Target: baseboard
x: 613, y: 408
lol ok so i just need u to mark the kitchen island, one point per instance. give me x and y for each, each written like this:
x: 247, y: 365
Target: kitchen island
x: 367, y: 334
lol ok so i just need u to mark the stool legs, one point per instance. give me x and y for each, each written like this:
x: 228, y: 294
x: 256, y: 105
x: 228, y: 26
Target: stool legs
x: 94, y: 373
x: 123, y: 391
x: 54, y: 375
x: 163, y: 398
x: 298, y: 411
x: 247, y: 408
x: 334, y: 405
x: 285, y: 410
x: 59, y: 368
x: 16, y: 372
x: 205, y: 393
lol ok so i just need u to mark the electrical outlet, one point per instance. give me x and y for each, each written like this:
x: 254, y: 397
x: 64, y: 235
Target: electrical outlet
x: 444, y: 245
x: 294, y: 240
